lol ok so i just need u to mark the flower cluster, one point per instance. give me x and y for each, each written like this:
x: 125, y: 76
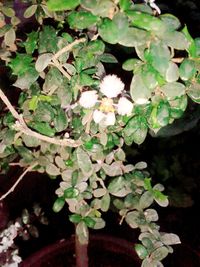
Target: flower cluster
x: 110, y: 87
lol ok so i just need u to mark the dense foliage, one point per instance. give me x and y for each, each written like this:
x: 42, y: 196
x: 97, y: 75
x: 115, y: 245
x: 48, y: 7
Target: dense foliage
x: 72, y: 120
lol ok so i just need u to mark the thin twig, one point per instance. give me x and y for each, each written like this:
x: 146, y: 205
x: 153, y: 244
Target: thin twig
x: 30, y: 168
x: 58, y: 66
x: 68, y: 48
x: 21, y: 126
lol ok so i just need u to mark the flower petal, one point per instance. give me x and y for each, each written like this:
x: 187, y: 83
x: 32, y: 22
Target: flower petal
x: 110, y: 118
x: 111, y: 86
x: 88, y: 99
x: 98, y: 116
x: 124, y: 106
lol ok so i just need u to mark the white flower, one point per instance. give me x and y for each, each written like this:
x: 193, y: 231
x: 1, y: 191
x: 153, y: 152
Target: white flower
x: 98, y: 116
x: 110, y: 118
x: 106, y: 118
x: 111, y: 86
x: 142, y: 101
x: 88, y: 99
x: 124, y: 106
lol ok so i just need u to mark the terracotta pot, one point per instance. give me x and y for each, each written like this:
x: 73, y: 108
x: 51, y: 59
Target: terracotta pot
x: 104, y: 251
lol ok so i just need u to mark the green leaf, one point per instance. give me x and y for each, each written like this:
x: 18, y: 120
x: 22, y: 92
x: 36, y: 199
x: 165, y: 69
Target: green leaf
x: 86, y: 80
x: 101, y: 8
x: 25, y: 153
x: 192, y: 48
x: 146, y: 21
x: 132, y: 219
x: 33, y: 102
x: 43, y: 61
x: 8, y: 11
x: 171, y: 21
x: 170, y: 239
x: 146, y: 200
x: 105, y: 202
x: 158, y: 55
x: 135, y: 130
x: 10, y: 37
x: 159, y: 254
x: 173, y: 90
x: 81, y: 19
x: 108, y: 31
x: 172, y: 73
x: 151, y: 215
x: 27, y: 79
x: 30, y: 11
x: 60, y: 120
x: 125, y: 4
x: 58, y: 204
x: 134, y: 37
x: 89, y: 222
x: 99, y: 223
x: 52, y: 169
x: 163, y: 113
x: 71, y: 192
x: 30, y: 142
x: 116, y: 185
x: 20, y: 64
x: 84, y: 161
x: 108, y: 58
x: 112, y: 170
x: 4, y: 29
x: 47, y: 40
x: 194, y: 92
x: 176, y: 39
x: 160, y: 198
x: 131, y: 64
x: 31, y: 42
x: 197, y: 45
x: 187, y: 69
x: 60, y: 5
x: 42, y: 127
x: 44, y: 111
x: 139, y: 91
x: 141, y: 251
x: 75, y: 218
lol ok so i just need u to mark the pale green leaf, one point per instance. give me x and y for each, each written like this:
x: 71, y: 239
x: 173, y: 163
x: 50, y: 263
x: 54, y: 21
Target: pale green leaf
x: 43, y: 61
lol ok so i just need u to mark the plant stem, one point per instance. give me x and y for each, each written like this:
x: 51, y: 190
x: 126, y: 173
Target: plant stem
x: 81, y: 251
x: 21, y: 127
x: 29, y: 169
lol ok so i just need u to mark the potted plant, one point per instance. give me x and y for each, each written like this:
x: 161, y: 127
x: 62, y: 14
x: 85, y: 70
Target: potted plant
x: 94, y: 77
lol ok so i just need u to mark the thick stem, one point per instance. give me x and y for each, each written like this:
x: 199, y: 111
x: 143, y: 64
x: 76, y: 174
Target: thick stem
x: 81, y: 251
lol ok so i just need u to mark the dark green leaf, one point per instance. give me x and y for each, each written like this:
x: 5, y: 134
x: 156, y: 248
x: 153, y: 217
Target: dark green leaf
x: 81, y: 19
x: 58, y: 204
x: 43, y: 128
x: 89, y: 222
x: 141, y: 251
x: 21, y: 64
x: 75, y: 218
x: 31, y: 42
x: 47, y: 40
x: 71, y: 192
x: 60, y: 120
x: 108, y: 31
x: 108, y: 58
x: 60, y: 5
